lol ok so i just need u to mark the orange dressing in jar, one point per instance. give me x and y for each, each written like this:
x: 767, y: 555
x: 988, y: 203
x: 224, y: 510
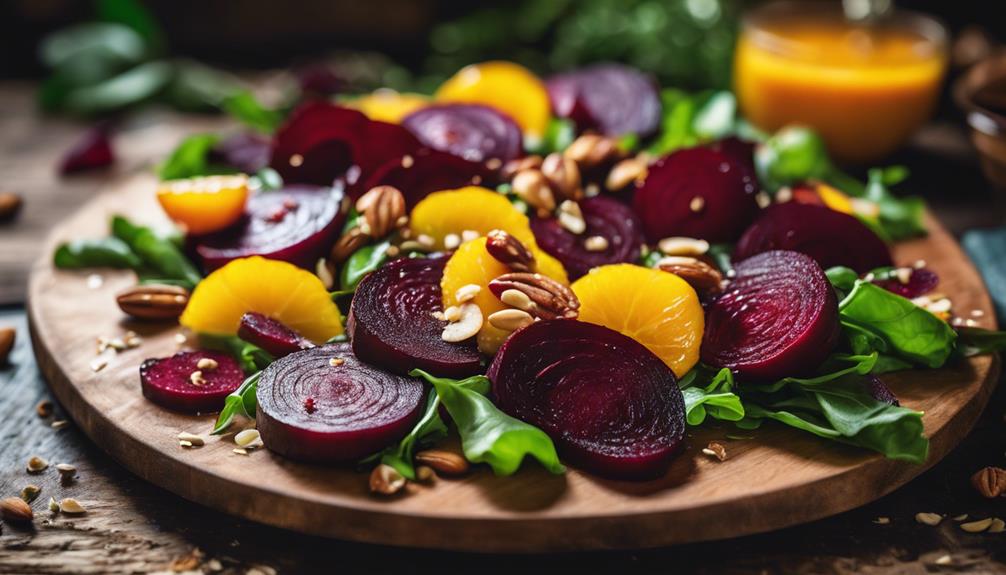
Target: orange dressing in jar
x: 864, y: 87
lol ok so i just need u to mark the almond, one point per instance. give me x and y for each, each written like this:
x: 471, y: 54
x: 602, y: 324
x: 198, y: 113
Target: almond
x: 383, y: 210
x: 14, y: 509
x: 564, y: 176
x: 551, y: 299
x: 625, y: 173
x: 386, y: 480
x: 153, y: 301
x: 533, y: 187
x: 510, y: 251
x: 591, y: 151
x: 445, y: 462
x: 7, y: 335
x: 10, y: 205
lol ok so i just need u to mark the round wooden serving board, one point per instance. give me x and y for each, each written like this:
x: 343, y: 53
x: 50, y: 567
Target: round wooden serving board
x: 774, y: 477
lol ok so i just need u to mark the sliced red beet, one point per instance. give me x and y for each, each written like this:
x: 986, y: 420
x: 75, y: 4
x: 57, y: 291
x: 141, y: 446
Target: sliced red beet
x: 472, y: 131
x: 696, y: 193
x: 296, y: 224
x: 92, y: 151
x: 391, y: 321
x: 271, y: 335
x: 832, y: 238
x: 611, y: 98
x: 610, y: 404
x: 325, y: 405
x: 169, y: 381
x: 605, y: 217
x: 320, y: 142
x: 245, y: 152
x: 778, y: 317
x: 740, y: 151
x: 920, y: 282
x: 429, y: 171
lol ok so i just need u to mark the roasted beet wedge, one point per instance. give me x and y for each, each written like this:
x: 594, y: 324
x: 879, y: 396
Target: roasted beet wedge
x: 611, y: 406
x: 696, y: 193
x: 778, y: 317
x: 325, y: 405
x: 832, y: 238
x: 271, y: 335
x: 178, y: 383
x: 920, y: 282
x: 611, y: 98
x: 391, y: 321
x: 91, y: 152
x: 430, y: 171
x: 471, y: 131
x: 606, y: 218
x: 296, y: 224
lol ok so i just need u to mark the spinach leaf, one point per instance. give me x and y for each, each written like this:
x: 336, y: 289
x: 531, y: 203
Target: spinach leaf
x: 717, y: 117
x: 87, y: 253
x: 190, y: 158
x: 487, y: 434
x: 973, y: 341
x: 874, y: 318
x: 267, y: 180
x: 842, y: 278
x: 676, y: 123
x: 559, y: 134
x: 241, y: 402
x: 362, y: 262
x: 197, y: 87
x: 158, y: 253
x: 243, y: 106
x: 131, y: 87
x: 900, y: 218
x: 134, y: 15
x: 251, y: 357
x: 710, y: 392
x: 104, y: 44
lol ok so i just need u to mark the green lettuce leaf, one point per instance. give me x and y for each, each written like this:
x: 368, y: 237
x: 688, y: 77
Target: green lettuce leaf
x: 709, y: 392
x: 160, y: 254
x: 241, y: 402
x: 96, y: 253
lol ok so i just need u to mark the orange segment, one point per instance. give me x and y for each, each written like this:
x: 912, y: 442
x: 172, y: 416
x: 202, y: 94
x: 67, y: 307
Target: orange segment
x: 470, y: 208
x: 655, y: 308
x: 276, y: 289
x: 472, y: 264
x: 388, y: 105
x: 205, y: 204
x: 508, y: 87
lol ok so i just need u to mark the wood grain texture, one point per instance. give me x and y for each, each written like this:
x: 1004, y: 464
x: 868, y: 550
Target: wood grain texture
x: 778, y: 478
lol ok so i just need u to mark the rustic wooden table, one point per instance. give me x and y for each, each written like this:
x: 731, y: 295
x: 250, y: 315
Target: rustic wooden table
x: 134, y: 527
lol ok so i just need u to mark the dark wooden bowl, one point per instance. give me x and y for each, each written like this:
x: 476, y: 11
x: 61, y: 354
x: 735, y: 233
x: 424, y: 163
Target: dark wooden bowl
x: 987, y: 127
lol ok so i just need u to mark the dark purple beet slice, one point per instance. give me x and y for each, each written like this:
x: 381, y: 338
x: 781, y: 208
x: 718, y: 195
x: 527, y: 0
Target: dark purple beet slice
x: 271, y: 335
x: 605, y: 217
x: 429, y: 171
x: 245, y: 152
x: 778, y: 317
x: 92, y: 151
x: 168, y: 381
x: 319, y: 81
x: 740, y: 151
x: 391, y: 321
x: 879, y: 391
x: 696, y: 193
x: 611, y: 98
x: 610, y: 404
x: 921, y: 282
x: 474, y: 132
x: 296, y: 224
x: 832, y: 238
x: 325, y: 405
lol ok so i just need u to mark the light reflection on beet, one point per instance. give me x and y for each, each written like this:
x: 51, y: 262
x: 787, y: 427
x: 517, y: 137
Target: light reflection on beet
x: 429, y: 171
x: 611, y: 98
x: 471, y: 131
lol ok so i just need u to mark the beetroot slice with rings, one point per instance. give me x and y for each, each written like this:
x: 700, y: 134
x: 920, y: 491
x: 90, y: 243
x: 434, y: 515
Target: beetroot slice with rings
x: 271, y: 335
x: 391, y: 321
x: 611, y: 405
x: 778, y: 317
x: 611, y: 98
x: 169, y: 381
x: 605, y: 217
x: 471, y: 131
x: 429, y: 171
x: 832, y: 238
x: 325, y: 405
x: 296, y: 224
x: 696, y: 193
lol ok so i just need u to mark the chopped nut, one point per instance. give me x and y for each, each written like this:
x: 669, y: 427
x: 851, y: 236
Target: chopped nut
x: 997, y: 526
x: 425, y: 474
x: 426, y: 241
x: 184, y: 443
x: 882, y: 520
x: 564, y: 176
x: 513, y: 167
x: 763, y: 200
x: 36, y: 464
x: 192, y: 439
x: 532, y: 186
x: 207, y: 363
x: 348, y: 243
x: 697, y: 204
x: 977, y: 526
x: 681, y: 246
x: 944, y: 560
x: 510, y: 319
x: 452, y: 313
x: 66, y: 472
x: 625, y: 173
x: 196, y: 378
x: 551, y: 299
x: 324, y: 273
x: 71, y: 506
x: 960, y: 517
x: 571, y: 217
x: 44, y: 408
x: 469, y: 235
x: 248, y: 439
x: 239, y: 451
x: 101, y: 362
x: 784, y: 195
x: 10, y: 205
x: 518, y: 299
x: 595, y: 244
x: 990, y: 482
x: 7, y: 335
x: 929, y: 518
x: 15, y: 510
x: 452, y: 241
x: 510, y: 251
x: 30, y: 492
x: 591, y: 151
x: 336, y: 361
x: 386, y: 480
x: 904, y: 275
x: 445, y: 462
x: 59, y: 424
x: 716, y: 450
x: 467, y: 292
x: 467, y: 325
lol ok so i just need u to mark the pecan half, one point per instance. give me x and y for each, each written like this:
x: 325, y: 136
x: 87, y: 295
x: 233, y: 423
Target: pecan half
x: 564, y: 176
x: 533, y: 187
x: 551, y: 299
x: 510, y: 169
x: 510, y: 251
x: 591, y: 150
x: 990, y: 482
x: 383, y: 210
x: 344, y: 247
x: 153, y: 301
x: 703, y: 277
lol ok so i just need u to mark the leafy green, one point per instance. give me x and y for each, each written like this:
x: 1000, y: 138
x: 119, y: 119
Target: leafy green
x: 197, y: 87
x: 95, y: 253
x: 487, y: 434
x: 135, y: 16
x: 875, y: 319
x: 900, y: 218
x: 190, y: 158
x: 159, y: 254
x: 131, y: 87
x: 101, y: 42
x: 792, y: 155
x: 245, y: 107
x: 242, y: 401
x: 973, y: 341
x: 676, y: 122
x: 362, y: 262
x: 708, y: 391
x: 559, y: 134
x: 251, y: 357
x: 717, y: 117
x: 268, y: 180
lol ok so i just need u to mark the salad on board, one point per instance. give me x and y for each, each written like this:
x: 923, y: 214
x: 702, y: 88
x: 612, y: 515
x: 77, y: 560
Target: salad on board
x: 561, y: 271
